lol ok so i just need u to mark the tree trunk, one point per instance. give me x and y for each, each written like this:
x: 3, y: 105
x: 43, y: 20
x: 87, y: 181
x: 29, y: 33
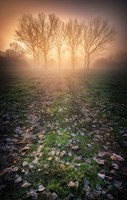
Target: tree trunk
x: 59, y: 57
x: 87, y: 61
x: 34, y: 57
x: 38, y: 62
x: 73, y: 60
x: 45, y: 61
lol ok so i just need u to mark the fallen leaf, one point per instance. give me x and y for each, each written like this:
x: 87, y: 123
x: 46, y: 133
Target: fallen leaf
x: 82, y: 134
x: 75, y: 147
x: 113, y: 171
x: 49, y: 158
x: 35, y: 161
x: 57, y: 153
x: 73, y: 184
x: 62, y: 153
x: 86, y: 185
x: 116, y: 157
x: 98, y: 187
x: 40, y: 148
x: 24, y: 164
x: 115, y: 166
x: 117, y: 184
x: 18, y: 178
x: 103, y: 154
x: 99, y: 161
x: 62, y: 166
x: 52, y: 196
x: 101, y: 175
x: 26, y: 184
x: 40, y: 136
x: 52, y: 153
x: 89, y: 145
x: 69, y: 154
x: 14, y: 161
x: 32, y: 194
x: 14, y: 169
x: 57, y: 158
x: 41, y: 188
x: 110, y: 196
x: 25, y: 148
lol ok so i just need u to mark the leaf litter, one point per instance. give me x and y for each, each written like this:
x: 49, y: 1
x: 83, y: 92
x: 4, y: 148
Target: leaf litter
x: 70, y: 153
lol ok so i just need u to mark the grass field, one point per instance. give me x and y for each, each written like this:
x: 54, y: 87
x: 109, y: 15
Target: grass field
x: 63, y: 136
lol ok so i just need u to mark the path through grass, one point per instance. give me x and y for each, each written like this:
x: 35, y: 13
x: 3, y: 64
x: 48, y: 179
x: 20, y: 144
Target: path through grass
x: 61, y: 133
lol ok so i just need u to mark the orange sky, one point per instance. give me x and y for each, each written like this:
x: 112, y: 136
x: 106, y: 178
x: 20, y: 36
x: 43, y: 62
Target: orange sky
x: 11, y: 10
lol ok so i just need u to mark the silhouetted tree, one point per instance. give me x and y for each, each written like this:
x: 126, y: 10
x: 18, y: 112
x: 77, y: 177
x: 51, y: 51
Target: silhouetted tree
x: 59, y: 38
x: 41, y: 33
x: 73, y: 37
x: 16, y: 49
x: 45, y: 30
x: 96, y: 35
x: 26, y: 34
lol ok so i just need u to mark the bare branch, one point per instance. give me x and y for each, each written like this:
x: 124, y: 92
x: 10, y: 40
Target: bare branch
x: 96, y: 35
x: 73, y: 37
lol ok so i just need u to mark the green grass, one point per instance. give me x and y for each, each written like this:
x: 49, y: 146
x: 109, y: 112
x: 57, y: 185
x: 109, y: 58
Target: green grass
x: 52, y: 176
x: 56, y: 180
x: 55, y: 174
x: 16, y: 194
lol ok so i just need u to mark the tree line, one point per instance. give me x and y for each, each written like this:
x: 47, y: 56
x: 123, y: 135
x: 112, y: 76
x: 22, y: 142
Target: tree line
x: 39, y: 35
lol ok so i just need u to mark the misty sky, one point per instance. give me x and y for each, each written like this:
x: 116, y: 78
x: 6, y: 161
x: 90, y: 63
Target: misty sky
x: 113, y: 10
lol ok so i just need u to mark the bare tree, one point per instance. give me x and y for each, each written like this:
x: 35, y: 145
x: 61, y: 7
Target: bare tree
x: 26, y: 34
x: 73, y: 37
x: 46, y: 29
x: 17, y: 49
x: 96, y: 35
x: 41, y: 33
x: 59, y: 38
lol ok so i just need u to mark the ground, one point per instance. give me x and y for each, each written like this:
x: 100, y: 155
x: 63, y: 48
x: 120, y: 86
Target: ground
x: 63, y: 136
